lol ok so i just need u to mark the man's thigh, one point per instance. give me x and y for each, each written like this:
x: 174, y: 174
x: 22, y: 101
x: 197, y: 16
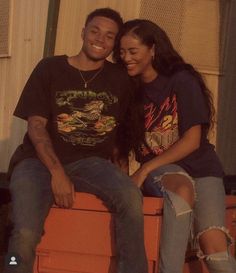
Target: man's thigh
x: 100, y: 177
x: 31, y: 193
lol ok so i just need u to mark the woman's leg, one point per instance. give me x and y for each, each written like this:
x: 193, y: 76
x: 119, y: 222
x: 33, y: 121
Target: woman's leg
x: 31, y: 200
x: 178, y: 191
x: 100, y: 177
x: 212, y: 236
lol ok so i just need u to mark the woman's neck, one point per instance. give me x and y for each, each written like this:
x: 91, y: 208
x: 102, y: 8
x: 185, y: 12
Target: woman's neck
x: 149, y: 75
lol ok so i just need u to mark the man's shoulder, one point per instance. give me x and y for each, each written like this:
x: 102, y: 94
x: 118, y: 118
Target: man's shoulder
x: 51, y: 65
x: 53, y: 60
x: 113, y: 67
x: 116, y: 71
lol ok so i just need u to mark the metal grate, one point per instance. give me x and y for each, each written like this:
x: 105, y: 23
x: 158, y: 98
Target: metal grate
x: 193, y: 27
x: 4, y: 27
x: 167, y: 14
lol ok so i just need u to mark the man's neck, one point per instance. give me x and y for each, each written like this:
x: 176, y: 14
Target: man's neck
x: 82, y: 62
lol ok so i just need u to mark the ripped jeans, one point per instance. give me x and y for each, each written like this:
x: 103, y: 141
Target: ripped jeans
x: 180, y: 220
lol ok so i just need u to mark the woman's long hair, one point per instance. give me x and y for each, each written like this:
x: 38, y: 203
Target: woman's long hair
x: 166, y: 60
x: 130, y: 133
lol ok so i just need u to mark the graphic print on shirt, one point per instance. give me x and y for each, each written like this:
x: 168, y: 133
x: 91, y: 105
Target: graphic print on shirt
x: 81, y: 119
x: 161, y: 126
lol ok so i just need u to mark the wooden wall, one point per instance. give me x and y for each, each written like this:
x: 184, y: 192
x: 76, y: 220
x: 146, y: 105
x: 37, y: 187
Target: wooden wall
x: 28, y: 27
x: 28, y: 34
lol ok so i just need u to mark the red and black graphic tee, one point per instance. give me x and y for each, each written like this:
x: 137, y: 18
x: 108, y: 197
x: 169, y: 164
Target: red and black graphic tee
x: 173, y: 105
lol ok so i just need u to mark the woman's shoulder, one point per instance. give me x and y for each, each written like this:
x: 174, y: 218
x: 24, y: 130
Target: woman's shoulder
x: 185, y: 79
x: 183, y: 76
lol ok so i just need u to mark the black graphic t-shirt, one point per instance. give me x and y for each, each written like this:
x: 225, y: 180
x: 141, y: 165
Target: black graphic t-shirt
x: 82, y: 121
x: 172, y: 105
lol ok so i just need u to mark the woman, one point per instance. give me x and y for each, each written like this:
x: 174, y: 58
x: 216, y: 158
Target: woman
x: 176, y: 158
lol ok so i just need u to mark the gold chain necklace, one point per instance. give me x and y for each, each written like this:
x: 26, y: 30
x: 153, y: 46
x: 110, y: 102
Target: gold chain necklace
x: 92, y: 78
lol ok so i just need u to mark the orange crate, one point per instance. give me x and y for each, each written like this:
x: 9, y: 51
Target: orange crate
x: 80, y: 239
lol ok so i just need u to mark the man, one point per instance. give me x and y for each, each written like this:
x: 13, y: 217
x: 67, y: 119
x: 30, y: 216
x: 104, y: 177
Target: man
x: 73, y: 106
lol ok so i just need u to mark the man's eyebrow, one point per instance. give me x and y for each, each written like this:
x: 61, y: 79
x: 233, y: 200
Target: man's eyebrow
x: 94, y: 26
x: 97, y: 28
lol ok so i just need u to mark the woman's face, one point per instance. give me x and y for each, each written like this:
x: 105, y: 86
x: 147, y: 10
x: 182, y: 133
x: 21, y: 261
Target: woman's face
x: 137, y: 57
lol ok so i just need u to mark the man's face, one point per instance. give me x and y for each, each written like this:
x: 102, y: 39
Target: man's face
x: 99, y: 38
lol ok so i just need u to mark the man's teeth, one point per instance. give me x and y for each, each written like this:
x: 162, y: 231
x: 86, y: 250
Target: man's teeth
x: 97, y: 47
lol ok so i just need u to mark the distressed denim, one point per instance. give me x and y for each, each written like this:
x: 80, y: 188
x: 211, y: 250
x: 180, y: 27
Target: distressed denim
x: 32, y: 198
x: 180, y: 221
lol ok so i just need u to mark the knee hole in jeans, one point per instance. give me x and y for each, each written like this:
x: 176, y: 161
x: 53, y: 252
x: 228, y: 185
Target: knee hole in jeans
x: 180, y: 185
x: 213, y: 240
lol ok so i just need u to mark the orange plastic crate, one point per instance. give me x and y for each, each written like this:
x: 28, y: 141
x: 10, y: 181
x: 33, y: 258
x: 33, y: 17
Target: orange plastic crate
x: 80, y: 239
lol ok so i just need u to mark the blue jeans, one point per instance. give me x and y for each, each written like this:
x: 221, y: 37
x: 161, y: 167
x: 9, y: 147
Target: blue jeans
x: 179, y: 219
x: 32, y: 198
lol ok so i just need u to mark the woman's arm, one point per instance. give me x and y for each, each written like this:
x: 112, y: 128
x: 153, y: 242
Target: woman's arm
x: 122, y: 163
x: 189, y: 142
x: 62, y: 187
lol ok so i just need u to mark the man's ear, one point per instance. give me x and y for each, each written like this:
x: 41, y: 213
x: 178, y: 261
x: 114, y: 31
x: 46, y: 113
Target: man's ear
x: 82, y: 33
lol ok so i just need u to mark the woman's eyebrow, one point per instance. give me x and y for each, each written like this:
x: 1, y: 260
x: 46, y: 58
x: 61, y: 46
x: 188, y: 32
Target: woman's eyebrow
x: 111, y: 32
x: 130, y: 48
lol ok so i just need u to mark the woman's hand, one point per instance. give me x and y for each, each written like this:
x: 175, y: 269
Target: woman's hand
x: 139, y: 176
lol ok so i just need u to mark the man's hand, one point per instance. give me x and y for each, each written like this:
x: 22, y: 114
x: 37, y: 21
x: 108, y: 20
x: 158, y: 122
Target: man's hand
x: 63, y: 189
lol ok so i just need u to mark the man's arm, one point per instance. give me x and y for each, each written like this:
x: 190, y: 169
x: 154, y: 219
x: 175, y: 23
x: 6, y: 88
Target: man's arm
x: 62, y: 187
